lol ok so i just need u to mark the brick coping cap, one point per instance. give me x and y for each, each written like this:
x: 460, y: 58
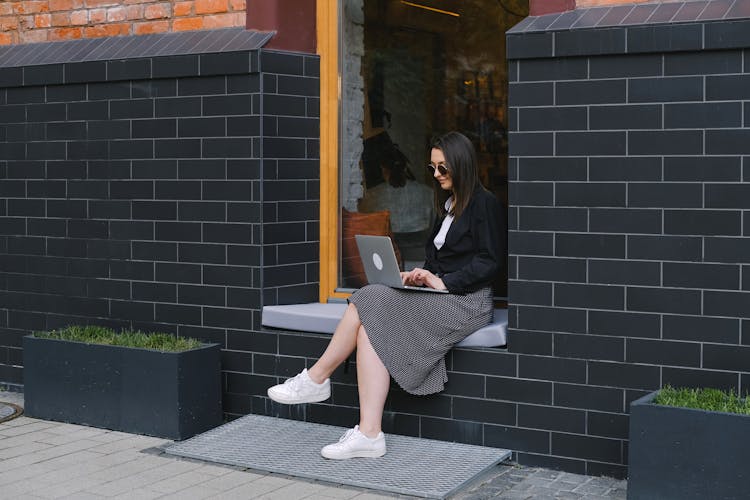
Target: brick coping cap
x: 649, y: 13
x: 134, y: 46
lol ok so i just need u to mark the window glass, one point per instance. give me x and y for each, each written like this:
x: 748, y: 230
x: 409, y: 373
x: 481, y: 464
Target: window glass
x: 412, y: 70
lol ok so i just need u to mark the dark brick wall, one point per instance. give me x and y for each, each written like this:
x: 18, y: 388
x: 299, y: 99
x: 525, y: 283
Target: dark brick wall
x: 629, y: 243
x: 173, y: 193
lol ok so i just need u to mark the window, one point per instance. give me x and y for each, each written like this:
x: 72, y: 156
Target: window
x: 410, y: 70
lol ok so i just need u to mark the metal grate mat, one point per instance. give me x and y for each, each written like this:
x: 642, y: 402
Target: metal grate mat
x: 412, y: 466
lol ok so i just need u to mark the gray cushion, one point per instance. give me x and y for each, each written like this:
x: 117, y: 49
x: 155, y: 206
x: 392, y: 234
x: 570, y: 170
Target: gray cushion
x: 323, y: 318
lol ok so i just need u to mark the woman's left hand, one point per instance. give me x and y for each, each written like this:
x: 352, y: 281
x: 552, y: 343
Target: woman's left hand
x: 423, y: 277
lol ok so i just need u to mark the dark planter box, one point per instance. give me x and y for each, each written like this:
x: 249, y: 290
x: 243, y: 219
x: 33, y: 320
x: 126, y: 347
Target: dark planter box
x: 141, y: 391
x: 682, y: 453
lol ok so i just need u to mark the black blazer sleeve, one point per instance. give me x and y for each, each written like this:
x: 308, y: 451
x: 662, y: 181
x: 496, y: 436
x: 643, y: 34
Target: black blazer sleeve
x: 474, y: 247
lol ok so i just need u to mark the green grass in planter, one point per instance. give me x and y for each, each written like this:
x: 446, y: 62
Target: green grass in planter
x: 703, y: 399
x: 92, y: 334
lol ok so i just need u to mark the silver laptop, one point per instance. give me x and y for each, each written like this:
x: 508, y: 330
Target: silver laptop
x: 379, y: 261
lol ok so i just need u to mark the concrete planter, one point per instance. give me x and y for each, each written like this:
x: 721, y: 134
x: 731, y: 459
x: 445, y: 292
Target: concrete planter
x: 164, y: 394
x: 686, y: 453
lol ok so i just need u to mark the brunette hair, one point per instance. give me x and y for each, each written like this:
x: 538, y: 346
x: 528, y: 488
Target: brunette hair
x: 461, y: 162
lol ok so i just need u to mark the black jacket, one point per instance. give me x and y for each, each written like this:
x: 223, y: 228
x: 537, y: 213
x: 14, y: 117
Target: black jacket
x: 474, y: 247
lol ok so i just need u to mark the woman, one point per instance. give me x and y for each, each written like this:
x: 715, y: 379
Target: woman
x: 403, y: 334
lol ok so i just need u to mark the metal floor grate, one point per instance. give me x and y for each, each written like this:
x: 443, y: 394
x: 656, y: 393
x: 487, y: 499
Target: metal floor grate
x: 412, y: 466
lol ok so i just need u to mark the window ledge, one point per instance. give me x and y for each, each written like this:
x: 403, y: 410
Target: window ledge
x: 323, y: 318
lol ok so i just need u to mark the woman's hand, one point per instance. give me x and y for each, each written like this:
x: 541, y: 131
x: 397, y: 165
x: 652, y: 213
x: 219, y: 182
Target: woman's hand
x: 422, y: 277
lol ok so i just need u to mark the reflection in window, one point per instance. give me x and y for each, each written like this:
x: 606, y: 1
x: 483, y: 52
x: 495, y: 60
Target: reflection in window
x: 412, y: 70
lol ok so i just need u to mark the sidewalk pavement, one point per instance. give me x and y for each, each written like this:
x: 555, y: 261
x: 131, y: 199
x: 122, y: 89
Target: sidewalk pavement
x: 43, y: 459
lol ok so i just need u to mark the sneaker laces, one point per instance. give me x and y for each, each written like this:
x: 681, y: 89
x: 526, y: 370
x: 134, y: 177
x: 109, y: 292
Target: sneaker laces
x: 295, y: 383
x: 348, y: 434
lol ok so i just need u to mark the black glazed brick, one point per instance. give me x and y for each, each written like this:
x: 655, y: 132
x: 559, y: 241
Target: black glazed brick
x: 725, y: 357
x: 129, y: 69
x: 727, y: 87
x: 701, y: 329
x: 284, y: 105
x: 624, y: 324
x: 551, y: 269
x: 175, y: 66
x: 482, y: 410
x: 154, y: 128
x: 625, y: 117
x: 727, y: 195
x: 589, y: 296
x: 47, y: 74
x: 618, y: 66
x: 588, y: 397
x: 154, y: 292
x: 530, y: 243
x: 553, y: 219
x: 108, y: 90
x: 551, y: 118
x: 529, y: 342
x: 531, y: 94
x: 668, y: 89
x: 666, y: 300
x: 710, y: 276
x: 624, y: 272
x: 515, y: 390
x: 551, y: 418
x: 552, y: 169
x: 590, y: 92
x: 626, y: 168
x: 726, y: 35
x: 613, y: 425
x: 703, y: 222
x: 722, y: 142
x: 590, y: 143
x: 730, y: 250
x: 666, y: 38
x: 227, y: 105
x: 282, y: 63
x: 530, y: 45
x: 703, y: 169
x: 589, y: 245
x: 530, y: 293
x: 590, y: 194
x: 530, y: 193
x: 11, y: 77
x: 551, y: 319
x: 95, y: 71
x: 665, y: 142
x: 555, y: 369
x: 680, y: 248
x: 623, y: 375
x: 491, y: 362
x: 552, y: 69
x: 735, y: 304
x: 178, y: 106
x: 703, y: 115
x: 66, y: 93
x: 225, y: 63
x: 665, y: 195
x: 514, y: 438
x: 202, y: 252
x: 662, y: 352
x: 589, y: 42
x: 587, y: 447
x: 568, y: 345
x: 531, y: 144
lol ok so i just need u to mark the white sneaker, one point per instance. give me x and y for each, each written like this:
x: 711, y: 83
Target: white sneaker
x: 300, y: 389
x: 354, y: 444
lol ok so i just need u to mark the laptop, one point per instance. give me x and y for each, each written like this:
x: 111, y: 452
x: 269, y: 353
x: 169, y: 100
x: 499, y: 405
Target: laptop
x: 379, y: 261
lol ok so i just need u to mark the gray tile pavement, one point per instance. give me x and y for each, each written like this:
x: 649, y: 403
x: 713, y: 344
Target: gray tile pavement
x: 45, y: 460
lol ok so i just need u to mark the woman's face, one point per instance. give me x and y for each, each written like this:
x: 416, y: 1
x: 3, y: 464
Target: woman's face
x: 436, y: 159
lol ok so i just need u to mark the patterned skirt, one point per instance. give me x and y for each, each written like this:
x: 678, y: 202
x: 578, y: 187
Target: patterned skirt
x: 412, y: 331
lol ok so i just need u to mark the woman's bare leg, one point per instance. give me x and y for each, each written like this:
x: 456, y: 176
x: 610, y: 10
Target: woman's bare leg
x: 342, y: 344
x: 373, y: 382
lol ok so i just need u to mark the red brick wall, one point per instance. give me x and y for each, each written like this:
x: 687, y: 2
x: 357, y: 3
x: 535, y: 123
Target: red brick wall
x: 49, y: 20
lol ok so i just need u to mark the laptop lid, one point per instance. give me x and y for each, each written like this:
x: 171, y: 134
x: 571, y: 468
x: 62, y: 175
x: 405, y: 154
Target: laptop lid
x: 379, y: 260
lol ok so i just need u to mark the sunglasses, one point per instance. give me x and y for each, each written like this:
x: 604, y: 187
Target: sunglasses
x: 440, y: 168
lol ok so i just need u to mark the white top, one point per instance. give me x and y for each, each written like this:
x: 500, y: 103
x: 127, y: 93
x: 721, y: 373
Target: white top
x: 440, y: 237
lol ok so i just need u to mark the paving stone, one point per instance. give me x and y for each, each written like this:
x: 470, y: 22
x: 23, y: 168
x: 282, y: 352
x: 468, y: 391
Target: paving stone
x: 591, y: 489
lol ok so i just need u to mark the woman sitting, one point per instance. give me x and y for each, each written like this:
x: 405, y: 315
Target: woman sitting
x: 405, y: 334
